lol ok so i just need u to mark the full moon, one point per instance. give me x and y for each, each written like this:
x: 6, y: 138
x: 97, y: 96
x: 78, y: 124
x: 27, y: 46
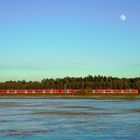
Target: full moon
x: 123, y: 17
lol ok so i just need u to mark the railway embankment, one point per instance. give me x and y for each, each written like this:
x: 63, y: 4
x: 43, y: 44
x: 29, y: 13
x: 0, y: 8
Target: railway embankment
x: 93, y: 97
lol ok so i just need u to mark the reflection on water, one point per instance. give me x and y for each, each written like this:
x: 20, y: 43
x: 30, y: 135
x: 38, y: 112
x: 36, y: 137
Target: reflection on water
x: 69, y: 119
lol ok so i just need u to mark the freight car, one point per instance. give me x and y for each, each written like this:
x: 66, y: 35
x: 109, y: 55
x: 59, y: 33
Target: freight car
x: 67, y: 91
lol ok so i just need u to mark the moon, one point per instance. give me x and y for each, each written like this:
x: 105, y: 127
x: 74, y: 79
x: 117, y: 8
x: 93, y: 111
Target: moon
x: 123, y: 17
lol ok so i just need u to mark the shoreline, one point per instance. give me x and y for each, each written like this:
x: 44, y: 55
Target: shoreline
x: 95, y: 97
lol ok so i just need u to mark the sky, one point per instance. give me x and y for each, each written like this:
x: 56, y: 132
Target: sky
x: 57, y: 38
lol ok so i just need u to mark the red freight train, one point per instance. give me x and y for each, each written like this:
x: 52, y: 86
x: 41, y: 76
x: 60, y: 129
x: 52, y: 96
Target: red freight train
x: 68, y: 91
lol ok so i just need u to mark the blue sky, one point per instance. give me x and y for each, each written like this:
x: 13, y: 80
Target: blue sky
x: 56, y: 38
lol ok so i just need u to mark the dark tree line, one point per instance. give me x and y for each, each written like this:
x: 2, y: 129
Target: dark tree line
x: 89, y: 82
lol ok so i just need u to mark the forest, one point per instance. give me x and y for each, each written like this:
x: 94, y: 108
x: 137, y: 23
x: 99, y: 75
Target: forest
x: 88, y: 82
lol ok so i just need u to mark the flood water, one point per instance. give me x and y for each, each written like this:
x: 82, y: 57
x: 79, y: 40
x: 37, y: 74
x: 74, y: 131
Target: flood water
x: 64, y: 119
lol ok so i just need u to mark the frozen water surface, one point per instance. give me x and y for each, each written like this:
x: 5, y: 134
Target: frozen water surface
x: 64, y: 119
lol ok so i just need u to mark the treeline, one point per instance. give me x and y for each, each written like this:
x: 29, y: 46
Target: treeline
x: 89, y: 82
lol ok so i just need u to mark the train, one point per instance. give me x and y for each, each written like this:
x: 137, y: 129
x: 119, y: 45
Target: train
x: 67, y: 91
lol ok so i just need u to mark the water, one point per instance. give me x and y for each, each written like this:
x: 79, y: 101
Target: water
x: 59, y: 119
